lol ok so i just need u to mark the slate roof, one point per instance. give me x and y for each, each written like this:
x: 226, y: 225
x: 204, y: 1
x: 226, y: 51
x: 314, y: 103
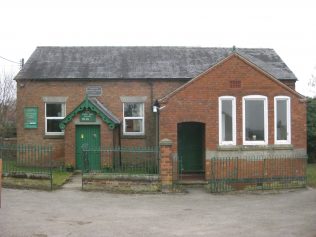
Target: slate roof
x: 140, y: 62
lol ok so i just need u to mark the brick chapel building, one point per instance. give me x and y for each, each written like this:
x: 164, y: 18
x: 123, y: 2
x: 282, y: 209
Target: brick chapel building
x: 208, y: 101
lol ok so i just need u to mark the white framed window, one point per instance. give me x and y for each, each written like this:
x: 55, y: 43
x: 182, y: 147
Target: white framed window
x: 282, y: 120
x: 227, y: 120
x: 255, y: 120
x: 54, y: 114
x: 134, y: 120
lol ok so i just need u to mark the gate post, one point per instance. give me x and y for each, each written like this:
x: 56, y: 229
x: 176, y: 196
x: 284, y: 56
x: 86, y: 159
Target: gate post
x: 166, y: 175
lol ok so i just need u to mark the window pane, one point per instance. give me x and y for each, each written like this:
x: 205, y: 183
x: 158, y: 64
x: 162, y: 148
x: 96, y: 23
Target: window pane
x: 53, y: 125
x: 133, y: 110
x: 281, y: 120
x: 227, y: 120
x: 54, y: 110
x: 254, y: 115
x: 133, y: 125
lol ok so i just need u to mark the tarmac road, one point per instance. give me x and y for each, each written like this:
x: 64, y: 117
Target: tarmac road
x: 71, y: 212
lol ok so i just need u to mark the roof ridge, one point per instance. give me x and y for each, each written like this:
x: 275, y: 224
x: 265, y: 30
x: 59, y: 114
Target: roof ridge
x: 151, y: 46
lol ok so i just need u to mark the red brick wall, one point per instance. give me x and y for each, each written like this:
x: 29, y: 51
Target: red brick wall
x: 31, y: 93
x: 199, y: 102
x: 261, y: 168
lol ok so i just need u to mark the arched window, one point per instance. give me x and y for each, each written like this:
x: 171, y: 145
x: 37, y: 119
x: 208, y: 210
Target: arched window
x: 227, y: 120
x: 282, y: 120
x: 255, y: 120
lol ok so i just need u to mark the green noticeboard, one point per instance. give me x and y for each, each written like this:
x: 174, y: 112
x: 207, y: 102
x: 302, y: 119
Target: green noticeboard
x: 87, y: 116
x: 30, y: 117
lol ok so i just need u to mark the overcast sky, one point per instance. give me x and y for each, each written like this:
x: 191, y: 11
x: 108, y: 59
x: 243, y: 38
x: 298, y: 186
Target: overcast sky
x: 289, y: 27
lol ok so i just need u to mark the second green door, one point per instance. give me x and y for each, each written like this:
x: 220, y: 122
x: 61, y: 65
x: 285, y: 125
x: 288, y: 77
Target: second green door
x: 191, y: 147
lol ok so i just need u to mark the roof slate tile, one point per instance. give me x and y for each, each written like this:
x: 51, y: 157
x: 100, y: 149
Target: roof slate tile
x: 140, y: 62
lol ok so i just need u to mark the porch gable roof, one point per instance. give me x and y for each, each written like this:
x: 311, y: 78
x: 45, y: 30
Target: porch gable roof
x: 94, y: 105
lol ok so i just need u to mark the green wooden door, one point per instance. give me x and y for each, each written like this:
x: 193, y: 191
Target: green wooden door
x: 90, y: 135
x: 191, y: 146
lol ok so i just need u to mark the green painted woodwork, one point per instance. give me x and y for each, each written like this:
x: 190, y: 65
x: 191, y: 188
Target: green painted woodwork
x: 84, y: 106
x: 90, y: 135
x: 191, y: 147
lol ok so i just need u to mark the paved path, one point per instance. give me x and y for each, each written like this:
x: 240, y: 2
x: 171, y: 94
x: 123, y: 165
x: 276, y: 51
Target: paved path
x: 74, y: 183
x: 71, y: 212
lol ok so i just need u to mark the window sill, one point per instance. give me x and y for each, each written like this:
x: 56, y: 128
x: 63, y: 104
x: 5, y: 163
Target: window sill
x: 133, y: 136
x: 53, y: 136
x: 228, y: 148
x: 254, y: 147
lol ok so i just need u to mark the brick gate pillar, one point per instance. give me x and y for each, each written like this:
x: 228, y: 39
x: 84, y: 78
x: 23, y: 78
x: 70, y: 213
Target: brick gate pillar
x: 166, y: 164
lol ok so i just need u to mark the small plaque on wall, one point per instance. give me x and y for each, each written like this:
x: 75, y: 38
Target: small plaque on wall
x: 30, y: 117
x: 94, y: 91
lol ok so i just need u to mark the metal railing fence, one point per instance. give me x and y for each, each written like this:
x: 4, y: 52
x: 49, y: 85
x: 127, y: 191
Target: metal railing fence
x: 26, y: 161
x: 128, y: 160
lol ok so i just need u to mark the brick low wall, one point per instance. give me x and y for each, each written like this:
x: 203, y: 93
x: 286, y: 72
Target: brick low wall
x: 266, y: 168
x: 121, y: 183
x: 228, y: 174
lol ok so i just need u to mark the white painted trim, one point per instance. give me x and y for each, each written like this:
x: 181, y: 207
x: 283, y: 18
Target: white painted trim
x: 266, y: 124
x: 141, y: 118
x: 233, y: 99
x: 288, y: 118
x: 54, y: 133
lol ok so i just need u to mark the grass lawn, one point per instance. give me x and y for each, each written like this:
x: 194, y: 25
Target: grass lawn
x: 311, y: 175
x: 60, y: 177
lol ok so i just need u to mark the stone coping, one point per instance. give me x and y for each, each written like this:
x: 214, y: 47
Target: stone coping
x: 125, y: 177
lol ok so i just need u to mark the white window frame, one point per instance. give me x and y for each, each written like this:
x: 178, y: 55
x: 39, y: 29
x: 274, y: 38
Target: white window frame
x: 46, y: 118
x: 220, y: 100
x: 288, y: 118
x: 266, y: 124
x: 130, y: 118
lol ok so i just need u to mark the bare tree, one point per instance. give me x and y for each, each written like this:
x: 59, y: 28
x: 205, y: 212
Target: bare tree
x: 7, y: 104
x: 312, y: 83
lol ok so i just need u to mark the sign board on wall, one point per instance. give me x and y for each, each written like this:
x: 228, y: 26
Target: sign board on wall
x: 94, y: 91
x: 30, y: 117
x: 87, y: 116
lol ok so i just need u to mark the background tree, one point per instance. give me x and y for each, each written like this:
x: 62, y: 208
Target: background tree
x: 7, y: 105
x: 311, y: 119
x: 311, y: 129
x: 312, y: 83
